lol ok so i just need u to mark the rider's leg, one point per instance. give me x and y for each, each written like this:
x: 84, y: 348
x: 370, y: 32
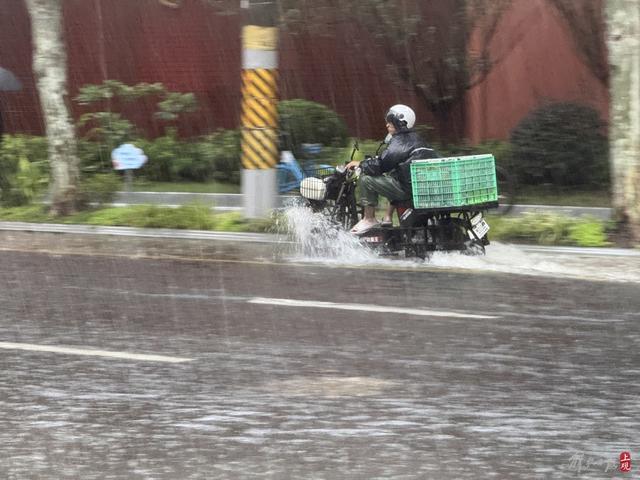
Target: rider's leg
x: 369, y: 200
x: 388, y: 214
x: 370, y: 188
x: 370, y: 214
x: 385, y: 185
x: 367, y: 222
x: 394, y: 191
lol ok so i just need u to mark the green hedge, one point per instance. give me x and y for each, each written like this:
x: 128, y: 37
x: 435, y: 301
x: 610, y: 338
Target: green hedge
x: 550, y: 229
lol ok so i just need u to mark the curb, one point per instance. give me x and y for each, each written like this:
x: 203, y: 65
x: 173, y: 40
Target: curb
x: 141, y: 242
x: 139, y: 232
x: 164, y: 242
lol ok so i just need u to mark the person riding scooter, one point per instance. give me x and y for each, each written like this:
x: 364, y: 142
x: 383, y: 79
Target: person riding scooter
x: 389, y: 174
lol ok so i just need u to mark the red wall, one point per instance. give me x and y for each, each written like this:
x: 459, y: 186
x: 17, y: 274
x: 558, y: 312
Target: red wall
x: 193, y: 49
x: 538, y: 63
x: 20, y: 110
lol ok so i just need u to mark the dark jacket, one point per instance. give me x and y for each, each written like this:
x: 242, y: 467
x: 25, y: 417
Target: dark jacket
x: 404, y: 146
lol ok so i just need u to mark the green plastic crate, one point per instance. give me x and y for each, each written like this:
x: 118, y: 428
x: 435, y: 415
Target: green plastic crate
x: 454, y: 181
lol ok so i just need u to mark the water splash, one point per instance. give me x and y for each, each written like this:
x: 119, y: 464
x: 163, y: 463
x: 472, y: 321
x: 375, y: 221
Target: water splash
x: 319, y: 239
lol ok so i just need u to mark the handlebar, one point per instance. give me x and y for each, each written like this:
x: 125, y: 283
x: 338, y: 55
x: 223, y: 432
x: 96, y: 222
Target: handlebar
x: 349, y: 173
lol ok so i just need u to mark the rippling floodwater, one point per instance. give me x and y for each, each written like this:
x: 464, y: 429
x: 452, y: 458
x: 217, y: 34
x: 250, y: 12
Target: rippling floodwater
x: 319, y: 241
x: 542, y: 384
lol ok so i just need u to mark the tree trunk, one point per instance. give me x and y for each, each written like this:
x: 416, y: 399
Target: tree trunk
x: 50, y: 69
x: 623, y: 18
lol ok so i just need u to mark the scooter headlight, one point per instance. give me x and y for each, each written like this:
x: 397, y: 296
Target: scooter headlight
x: 313, y: 188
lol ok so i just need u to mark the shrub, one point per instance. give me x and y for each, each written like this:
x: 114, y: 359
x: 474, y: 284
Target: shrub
x: 105, y: 130
x: 214, y: 157
x: 110, y: 127
x: 99, y: 189
x: 550, y: 229
x: 94, y: 157
x: 197, y: 217
x: 164, y: 154
x: 28, y: 213
x: 561, y: 144
x: 220, y: 151
x: 192, y: 217
x: 23, y: 169
x: 589, y: 233
x: 303, y: 121
x: 33, y: 149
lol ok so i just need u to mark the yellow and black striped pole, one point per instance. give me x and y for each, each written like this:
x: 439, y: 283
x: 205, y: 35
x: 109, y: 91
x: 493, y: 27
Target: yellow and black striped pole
x: 259, y: 107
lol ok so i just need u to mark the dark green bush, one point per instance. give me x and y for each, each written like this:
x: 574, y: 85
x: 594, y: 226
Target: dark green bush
x: 303, y: 121
x: 561, y: 144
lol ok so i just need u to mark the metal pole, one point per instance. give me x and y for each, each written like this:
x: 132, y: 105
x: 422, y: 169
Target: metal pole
x: 259, y: 106
x: 128, y: 180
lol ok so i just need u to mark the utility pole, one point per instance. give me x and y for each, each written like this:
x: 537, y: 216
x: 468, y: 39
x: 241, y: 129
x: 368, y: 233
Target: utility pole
x: 259, y: 106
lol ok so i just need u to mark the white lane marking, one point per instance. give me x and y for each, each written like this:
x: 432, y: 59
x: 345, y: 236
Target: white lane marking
x: 93, y: 353
x: 286, y: 302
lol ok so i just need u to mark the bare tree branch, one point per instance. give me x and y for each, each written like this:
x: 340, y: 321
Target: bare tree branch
x: 585, y: 20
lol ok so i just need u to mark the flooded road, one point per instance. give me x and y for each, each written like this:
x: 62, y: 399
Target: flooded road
x: 299, y: 370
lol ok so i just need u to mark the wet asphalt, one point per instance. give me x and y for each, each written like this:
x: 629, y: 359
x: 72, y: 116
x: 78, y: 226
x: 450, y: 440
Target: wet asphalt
x: 491, y: 375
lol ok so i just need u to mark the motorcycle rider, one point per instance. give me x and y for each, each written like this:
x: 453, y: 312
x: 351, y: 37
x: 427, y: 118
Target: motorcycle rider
x: 389, y: 174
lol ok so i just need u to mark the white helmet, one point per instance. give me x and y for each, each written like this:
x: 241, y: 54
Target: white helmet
x: 401, y: 116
